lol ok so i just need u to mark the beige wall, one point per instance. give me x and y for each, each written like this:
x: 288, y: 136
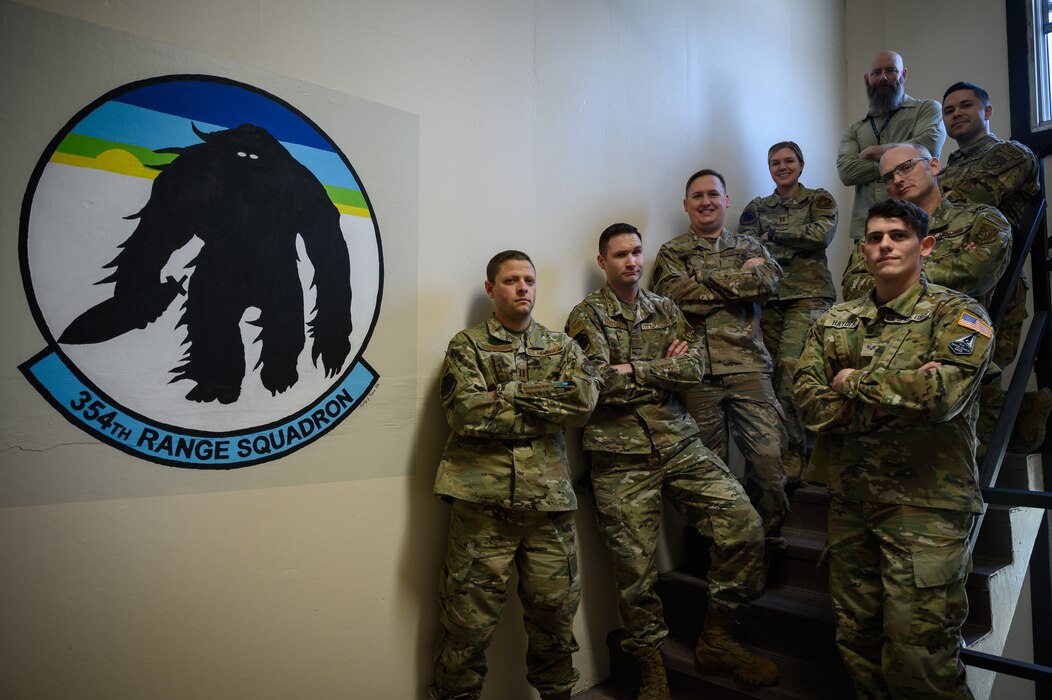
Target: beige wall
x: 540, y: 122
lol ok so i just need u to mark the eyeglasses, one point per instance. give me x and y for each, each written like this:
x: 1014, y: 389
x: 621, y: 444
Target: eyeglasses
x: 904, y: 168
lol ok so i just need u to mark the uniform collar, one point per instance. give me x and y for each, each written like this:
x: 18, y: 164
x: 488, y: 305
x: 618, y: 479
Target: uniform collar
x: 709, y: 244
x: 942, y: 214
x: 978, y: 147
x: 532, y: 334
x: 644, y: 304
x: 802, y: 193
x: 904, y: 304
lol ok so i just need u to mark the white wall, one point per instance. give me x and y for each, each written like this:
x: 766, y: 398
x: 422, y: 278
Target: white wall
x: 540, y: 123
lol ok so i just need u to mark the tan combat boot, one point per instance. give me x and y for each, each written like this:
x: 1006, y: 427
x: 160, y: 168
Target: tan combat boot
x: 793, y: 463
x: 718, y: 650
x: 654, y: 684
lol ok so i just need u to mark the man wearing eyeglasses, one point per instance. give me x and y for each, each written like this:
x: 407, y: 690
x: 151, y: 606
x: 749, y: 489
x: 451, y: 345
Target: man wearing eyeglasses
x: 892, y: 117
x: 973, y: 241
x: 889, y: 384
x: 1003, y: 174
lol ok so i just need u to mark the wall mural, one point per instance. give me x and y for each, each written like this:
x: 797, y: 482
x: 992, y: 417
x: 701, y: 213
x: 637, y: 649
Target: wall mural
x: 206, y: 269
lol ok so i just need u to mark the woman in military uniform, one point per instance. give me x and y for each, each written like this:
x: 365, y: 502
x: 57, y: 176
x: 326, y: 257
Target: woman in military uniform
x: 796, y: 224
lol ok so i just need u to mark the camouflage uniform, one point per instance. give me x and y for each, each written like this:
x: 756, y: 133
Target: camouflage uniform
x: 1003, y: 174
x: 897, y: 452
x: 915, y: 121
x: 504, y: 467
x: 796, y: 231
x: 722, y: 302
x: 644, y: 446
x: 974, y: 243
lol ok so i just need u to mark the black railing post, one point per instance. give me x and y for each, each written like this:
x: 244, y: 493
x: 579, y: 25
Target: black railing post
x: 1041, y: 560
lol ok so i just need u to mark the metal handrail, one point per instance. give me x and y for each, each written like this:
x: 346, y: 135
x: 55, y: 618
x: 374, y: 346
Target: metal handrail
x: 1012, y: 667
x: 1022, y: 243
x: 1032, y: 221
x: 1033, y: 355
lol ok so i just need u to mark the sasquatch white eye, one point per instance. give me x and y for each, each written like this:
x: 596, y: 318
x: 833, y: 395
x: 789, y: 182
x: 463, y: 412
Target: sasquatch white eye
x: 241, y: 154
x: 253, y: 156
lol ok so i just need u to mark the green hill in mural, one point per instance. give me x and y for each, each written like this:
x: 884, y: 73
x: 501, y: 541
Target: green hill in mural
x: 90, y: 148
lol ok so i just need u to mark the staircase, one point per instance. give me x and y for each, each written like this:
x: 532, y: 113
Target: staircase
x: 792, y: 621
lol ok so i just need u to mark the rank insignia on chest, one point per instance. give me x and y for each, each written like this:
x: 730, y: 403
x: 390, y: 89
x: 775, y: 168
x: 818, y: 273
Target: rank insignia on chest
x: 972, y: 322
x: 964, y: 345
x: 872, y: 349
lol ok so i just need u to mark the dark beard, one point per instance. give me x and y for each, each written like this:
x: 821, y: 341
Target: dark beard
x: 884, y: 99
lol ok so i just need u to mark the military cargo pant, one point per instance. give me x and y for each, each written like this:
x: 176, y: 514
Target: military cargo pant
x: 896, y: 577
x: 747, y: 403
x: 785, y: 325
x: 484, y: 543
x: 628, y: 493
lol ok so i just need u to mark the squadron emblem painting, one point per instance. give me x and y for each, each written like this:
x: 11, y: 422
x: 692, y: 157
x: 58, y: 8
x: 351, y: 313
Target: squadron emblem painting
x: 206, y: 271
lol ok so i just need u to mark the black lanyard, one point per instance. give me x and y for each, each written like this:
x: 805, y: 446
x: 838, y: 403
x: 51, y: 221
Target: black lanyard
x: 873, y: 125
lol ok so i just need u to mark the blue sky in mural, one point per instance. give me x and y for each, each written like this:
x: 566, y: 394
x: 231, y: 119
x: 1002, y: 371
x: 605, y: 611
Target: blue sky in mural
x: 160, y: 116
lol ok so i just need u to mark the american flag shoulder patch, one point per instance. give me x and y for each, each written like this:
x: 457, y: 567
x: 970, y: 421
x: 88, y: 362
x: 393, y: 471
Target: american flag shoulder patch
x: 973, y: 322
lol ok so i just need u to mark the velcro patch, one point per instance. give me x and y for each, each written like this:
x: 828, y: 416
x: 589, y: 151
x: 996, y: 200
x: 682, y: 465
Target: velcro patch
x: 994, y: 161
x: 449, y: 384
x: 824, y: 202
x: 963, y: 346
x: 543, y: 352
x: 843, y: 323
x: 986, y: 232
x: 972, y: 322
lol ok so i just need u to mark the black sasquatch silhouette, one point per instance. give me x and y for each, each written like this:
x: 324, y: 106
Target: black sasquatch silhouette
x: 246, y: 198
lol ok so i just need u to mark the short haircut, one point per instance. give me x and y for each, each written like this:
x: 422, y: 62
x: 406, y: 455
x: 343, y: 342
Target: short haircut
x: 500, y: 258
x: 786, y: 144
x: 615, y: 230
x: 702, y: 173
x: 914, y: 217
x: 983, y: 95
x: 918, y: 148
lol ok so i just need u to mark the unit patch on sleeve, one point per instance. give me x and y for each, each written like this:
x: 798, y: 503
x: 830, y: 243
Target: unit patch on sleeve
x: 964, y: 345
